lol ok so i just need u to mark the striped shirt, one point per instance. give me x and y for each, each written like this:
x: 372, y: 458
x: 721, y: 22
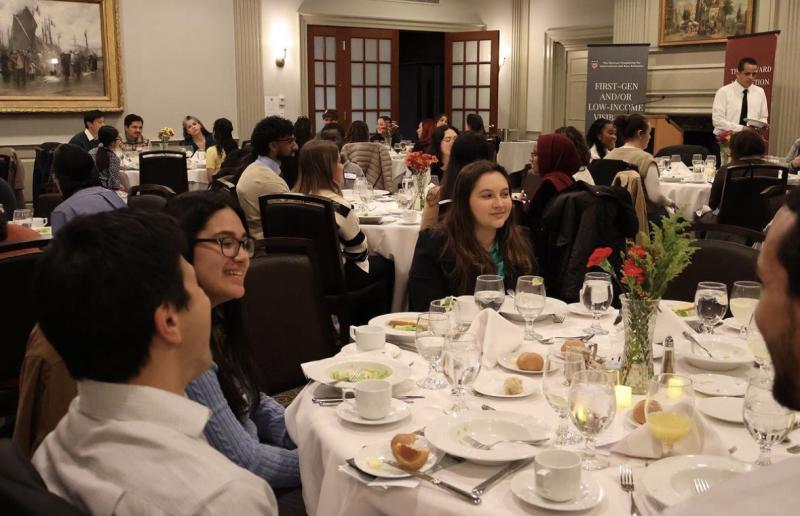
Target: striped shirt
x: 352, y: 239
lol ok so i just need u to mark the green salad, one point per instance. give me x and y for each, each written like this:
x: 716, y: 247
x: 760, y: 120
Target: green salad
x: 360, y: 374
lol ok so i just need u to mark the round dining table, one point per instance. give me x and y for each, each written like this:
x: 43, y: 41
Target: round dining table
x: 332, y: 488
x: 690, y: 197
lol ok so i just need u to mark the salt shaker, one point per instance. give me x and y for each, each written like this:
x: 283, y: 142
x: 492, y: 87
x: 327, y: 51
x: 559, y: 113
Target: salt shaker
x: 668, y: 362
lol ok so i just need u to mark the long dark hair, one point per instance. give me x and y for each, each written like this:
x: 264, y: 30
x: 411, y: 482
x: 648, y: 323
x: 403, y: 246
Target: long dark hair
x: 629, y: 126
x: 436, y: 140
x: 580, y: 144
x: 458, y: 227
x: 237, y: 375
x: 223, y: 136
x: 475, y: 123
x: 468, y: 148
x: 302, y: 131
x: 316, y: 163
x: 428, y: 126
x: 358, y: 132
x: 593, y: 135
x: 106, y: 135
x: 186, y: 136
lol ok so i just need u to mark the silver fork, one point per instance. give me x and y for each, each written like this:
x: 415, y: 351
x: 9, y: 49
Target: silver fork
x: 701, y: 485
x: 481, y: 446
x: 626, y: 480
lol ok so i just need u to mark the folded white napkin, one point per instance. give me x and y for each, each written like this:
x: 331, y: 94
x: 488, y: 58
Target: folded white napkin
x: 495, y: 335
x: 703, y: 439
x: 667, y: 323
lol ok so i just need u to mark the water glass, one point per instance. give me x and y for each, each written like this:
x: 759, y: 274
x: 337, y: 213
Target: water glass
x: 711, y: 161
x: 697, y: 159
x: 462, y: 363
x: 489, y: 291
x: 429, y: 340
x: 592, y: 407
x: 757, y: 345
x: 449, y: 307
x: 596, y: 295
x: 674, y: 161
x: 23, y: 217
x: 767, y: 421
x: 558, y: 371
x: 711, y: 303
x: 744, y: 298
x: 529, y: 299
x: 669, y: 409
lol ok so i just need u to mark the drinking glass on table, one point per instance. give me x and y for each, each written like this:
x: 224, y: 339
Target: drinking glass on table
x: 711, y: 302
x: 449, y: 307
x: 697, y: 160
x: 23, y: 217
x: 674, y: 162
x: 596, y: 295
x: 359, y: 186
x: 559, y: 369
x: 744, y: 298
x: 429, y: 339
x: 529, y: 299
x: 592, y: 407
x: 758, y: 346
x: 461, y: 362
x: 406, y: 194
x: 489, y: 291
x: 767, y: 420
x: 669, y: 409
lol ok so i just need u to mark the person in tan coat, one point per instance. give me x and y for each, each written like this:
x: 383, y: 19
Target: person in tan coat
x: 374, y: 160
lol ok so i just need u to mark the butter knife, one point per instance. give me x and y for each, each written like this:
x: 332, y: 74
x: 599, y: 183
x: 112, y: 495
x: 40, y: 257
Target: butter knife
x: 513, y: 467
x: 476, y: 500
x: 696, y: 342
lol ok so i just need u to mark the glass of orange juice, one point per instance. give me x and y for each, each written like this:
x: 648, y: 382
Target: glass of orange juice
x: 669, y: 410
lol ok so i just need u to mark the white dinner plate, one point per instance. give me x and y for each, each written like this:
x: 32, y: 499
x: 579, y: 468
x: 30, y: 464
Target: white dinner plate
x: 397, y: 412
x: 401, y: 335
x: 726, y: 353
x: 509, y: 361
x: 523, y: 485
x: 719, y: 384
x: 682, y: 309
x: 580, y: 309
x: 551, y: 306
x: 322, y: 371
x: 389, y: 350
x: 492, y: 384
x: 723, y: 408
x: 380, y: 453
x: 671, y: 481
x: 349, y: 195
x: 446, y: 433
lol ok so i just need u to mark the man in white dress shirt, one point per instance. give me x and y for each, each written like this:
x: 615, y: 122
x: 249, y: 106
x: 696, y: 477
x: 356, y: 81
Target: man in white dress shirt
x: 739, y: 100
x: 124, y: 311
x: 771, y: 489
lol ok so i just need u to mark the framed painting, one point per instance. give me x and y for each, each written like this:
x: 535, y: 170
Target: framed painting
x: 700, y: 22
x: 59, y: 55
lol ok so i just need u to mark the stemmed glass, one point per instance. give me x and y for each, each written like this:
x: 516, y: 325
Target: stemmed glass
x: 406, y: 194
x: 592, y: 407
x: 744, y: 298
x: 529, y: 298
x: 449, y: 307
x: 559, y: 369
x: 489, y: 292
x: 767, y: 420
x: 462, y: 363
x: 711, y: 303
x: 669, y: 409
x: 359, y: 186
x: 596, y: 295
x: 429, y: 339
x: 758, y: 347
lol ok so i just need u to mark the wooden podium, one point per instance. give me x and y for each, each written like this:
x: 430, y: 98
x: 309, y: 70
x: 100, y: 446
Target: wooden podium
x: 665, y: 132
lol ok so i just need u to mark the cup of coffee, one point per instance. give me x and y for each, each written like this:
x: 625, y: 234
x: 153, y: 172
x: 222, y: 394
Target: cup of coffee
x: 558, y: 474
x: 373, y: 398
x: 38, y: 222
x: 368, y: 338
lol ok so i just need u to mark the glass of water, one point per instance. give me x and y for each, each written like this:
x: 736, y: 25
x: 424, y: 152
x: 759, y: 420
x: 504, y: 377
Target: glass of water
x: 592, y: 407
x: 462, y: 363
x: 711, y: 303
x: 744, y: 299
x: 596, y: 295
x: 697, y: 160
x: 489, y: 292
x: 674, y: 162
x: 757, y: 345
x: 767, y: 420
x: 406, y: 195
x: 23, y: 217
x: 449, y: 307
x: 559, y: 369
x: 429, y: 338
x: 529, y: 299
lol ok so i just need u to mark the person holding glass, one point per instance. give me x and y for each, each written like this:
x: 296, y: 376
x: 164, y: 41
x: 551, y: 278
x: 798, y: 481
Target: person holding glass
x: 477, y: 236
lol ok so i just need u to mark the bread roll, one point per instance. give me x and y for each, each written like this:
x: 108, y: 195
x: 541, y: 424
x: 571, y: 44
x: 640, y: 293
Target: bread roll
x: 530, y: 362
x: 512, y: 385
x: 406, y: 454
x: 638, y: 410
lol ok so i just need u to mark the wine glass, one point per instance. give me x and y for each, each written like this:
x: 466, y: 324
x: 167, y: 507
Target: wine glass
x: 596, y: 295
x: 462, y: 363
x: 744, y: 298
x: 489, y: 291
x: 674, y: 162
x: 697, y: 160
x: 529, y: 299
x: 669, y: 409
x: 711, y: 303
x: 449, y: 307
x: 592, y: 407
x: 359, y: 185
x: 767, y: 420
x: 757, y: 345
x: 429, y: 340
x: 559, y: 369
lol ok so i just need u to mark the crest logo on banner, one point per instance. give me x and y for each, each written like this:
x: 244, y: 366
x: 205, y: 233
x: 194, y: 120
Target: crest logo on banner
x: 595, y: 64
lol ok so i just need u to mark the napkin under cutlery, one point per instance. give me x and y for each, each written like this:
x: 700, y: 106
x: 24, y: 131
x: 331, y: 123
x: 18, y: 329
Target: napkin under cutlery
x: 495, y: 334
x: 703, y: 439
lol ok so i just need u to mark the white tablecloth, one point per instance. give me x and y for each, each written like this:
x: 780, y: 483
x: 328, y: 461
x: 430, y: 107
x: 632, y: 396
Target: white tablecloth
x: 514, y: 156
x: 398, y: 168
x: 325, y: 442
x: 198, y: 179
x: 689, y: 196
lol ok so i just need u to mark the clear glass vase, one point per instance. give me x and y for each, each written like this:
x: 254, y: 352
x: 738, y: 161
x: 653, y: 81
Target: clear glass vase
x: 639, y: 320
x: 421, y: 180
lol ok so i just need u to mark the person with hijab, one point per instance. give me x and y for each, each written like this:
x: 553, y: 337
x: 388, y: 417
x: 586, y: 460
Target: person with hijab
x: 554, y: 160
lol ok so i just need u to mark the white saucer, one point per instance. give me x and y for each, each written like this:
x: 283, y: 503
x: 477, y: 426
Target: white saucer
x: 398, y: 411
x: 389, y: 350
x: 523, y: 485
x: 491, y: 384
x: 719, y: 384
x: 508, y: 361
x: 383, y: 452
x: 723, y: 408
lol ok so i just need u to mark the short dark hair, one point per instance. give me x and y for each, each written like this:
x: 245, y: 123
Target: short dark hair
x: 98, y: 285
x: 330, y: 114
x: 468, y: 147
x: 358, y: 132
x: 789, y: 248
x: 268, y: 130
x: 475, y: 123
x: 747, y: 143
x: 385, y: 118
x: 91, y: 116
x: 332, y: 127
x: 131, y: 118
x: 593, y: 136
x: 746, y: 61
x: 107, y: 134
x: 74, y: 168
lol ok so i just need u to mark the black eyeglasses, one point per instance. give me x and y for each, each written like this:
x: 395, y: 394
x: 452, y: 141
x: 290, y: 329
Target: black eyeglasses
x: 229, y: 246
x: 290, y: 139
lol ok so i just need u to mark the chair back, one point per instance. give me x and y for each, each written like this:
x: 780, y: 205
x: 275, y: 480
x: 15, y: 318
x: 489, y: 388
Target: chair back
x: 631, y: 181
x: 739, y: 264
x: 147, y: 202
x: 684, y: 151
x: 703, y: 230
x: 5, y: 167
x: 748, y: 192
x: 164, y: 167
x: 43, y: 167
x: 7, y: 198
x: 44, y: 205
x: 225, y: 184
x: 159, y: 190
x: 604, y: 170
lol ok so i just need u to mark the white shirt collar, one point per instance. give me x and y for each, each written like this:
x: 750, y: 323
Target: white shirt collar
x: 271, y: 163
x: 89, y: 135
x: 738, y: 88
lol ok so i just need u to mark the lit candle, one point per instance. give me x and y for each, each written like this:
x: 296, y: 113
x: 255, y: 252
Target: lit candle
x: 623, y: 394
x: 674, y: 389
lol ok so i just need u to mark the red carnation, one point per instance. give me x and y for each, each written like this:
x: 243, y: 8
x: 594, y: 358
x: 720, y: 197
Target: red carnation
x: 599, y: 255
x: 637, y: 251
x: 631, y: 270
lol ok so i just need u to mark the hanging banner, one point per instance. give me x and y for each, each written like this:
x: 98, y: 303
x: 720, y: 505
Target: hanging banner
x: 616, y: 80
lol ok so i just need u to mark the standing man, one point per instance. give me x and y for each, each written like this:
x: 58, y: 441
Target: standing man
x: 739, y: 100
x: 133, y: 129
x: 87, y: 139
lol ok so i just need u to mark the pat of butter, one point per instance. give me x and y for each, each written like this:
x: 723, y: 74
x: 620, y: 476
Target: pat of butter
x: 375, y: 462
x: 514, y: 360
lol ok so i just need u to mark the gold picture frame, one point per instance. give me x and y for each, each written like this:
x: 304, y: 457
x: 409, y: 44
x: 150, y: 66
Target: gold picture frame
x: 679, y: 23
x: 45, y: 66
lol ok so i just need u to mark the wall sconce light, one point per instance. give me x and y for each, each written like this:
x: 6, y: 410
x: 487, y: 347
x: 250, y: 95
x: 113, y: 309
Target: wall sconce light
x: 281, y: 60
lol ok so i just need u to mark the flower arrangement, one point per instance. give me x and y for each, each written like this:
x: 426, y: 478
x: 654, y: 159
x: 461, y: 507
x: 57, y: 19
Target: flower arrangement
x: 164, y: 134
x: 419, y: 162
x: 724, y: 141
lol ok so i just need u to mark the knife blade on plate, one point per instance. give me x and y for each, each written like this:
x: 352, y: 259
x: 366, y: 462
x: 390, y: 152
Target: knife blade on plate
x: 510, y: 468
x: 472, y: 498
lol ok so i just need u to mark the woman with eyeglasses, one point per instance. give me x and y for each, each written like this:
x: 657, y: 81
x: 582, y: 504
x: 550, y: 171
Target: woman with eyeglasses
x: 106, y: 159
x: 246, y: 425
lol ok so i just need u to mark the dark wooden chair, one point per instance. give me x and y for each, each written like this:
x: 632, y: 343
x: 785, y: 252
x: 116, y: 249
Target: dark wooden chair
x: 44, y: 205
x: 5, y: 167
x: 164, y: 167
x: 751, y: 194
x: 603, y: 171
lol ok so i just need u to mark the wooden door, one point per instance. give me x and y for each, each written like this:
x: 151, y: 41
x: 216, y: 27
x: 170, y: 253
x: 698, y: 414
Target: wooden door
x: 471, y: 71
x: 575, y: 98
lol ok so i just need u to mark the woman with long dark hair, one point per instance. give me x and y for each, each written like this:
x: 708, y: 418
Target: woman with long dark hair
x: 224, y: 144
x: 475, y: 124
x: 441, y: 144
x: 358, y: 132
x: 424, y: 134
x: 195, y: 134
x: 477, y: 236
x: 106, y: 159
x: 601, y: 138
x: 576, y: 137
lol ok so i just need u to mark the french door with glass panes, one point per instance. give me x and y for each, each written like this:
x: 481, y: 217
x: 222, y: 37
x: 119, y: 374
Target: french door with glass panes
x: 354, y: 71
x: 471, y: 76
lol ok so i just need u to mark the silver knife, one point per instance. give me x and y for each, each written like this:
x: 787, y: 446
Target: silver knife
x: 696, y: 342
x: 513, y: 467
x: 438, y: 483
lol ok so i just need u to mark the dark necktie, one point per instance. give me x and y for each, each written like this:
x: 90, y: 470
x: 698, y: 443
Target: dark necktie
x: 743, y: 114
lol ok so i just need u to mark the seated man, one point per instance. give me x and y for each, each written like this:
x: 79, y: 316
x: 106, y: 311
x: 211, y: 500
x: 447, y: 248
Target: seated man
x: 133, y: 130
x: 131, y: 442
x: 87, y: 139
x: 79, y: 181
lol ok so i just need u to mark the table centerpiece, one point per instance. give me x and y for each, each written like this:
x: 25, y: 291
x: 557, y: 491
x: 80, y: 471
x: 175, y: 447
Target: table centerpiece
x: 419, y: 165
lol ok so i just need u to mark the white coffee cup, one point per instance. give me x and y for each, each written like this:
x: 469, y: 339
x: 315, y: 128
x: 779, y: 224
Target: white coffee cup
x: 38, y: 222
x: 409, y: 216
x: 558, y: 474
x: 368, y: 338
x: 373, y: 398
